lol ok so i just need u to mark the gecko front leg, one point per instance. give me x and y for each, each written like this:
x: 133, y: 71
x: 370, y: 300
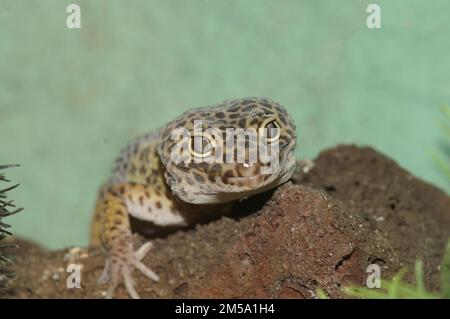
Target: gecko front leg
x: 111, y: 227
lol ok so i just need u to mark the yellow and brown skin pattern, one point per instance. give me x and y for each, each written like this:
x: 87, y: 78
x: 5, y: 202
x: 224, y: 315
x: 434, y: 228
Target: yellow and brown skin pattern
x: 147, y: 184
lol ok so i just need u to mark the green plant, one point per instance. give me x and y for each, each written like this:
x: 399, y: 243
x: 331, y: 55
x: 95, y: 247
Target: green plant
x: 397, y: 288
x: 7, y: 208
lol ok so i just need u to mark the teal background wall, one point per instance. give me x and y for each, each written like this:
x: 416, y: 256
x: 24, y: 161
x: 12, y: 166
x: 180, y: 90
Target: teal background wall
x: 71, y: 99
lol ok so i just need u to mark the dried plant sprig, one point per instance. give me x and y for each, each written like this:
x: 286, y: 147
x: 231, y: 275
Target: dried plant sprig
x: 7, y: 208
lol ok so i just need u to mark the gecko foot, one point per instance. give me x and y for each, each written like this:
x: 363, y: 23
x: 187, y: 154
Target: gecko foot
x: 122, y: 265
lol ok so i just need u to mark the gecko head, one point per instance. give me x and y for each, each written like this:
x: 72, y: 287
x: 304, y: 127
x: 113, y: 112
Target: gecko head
x: 228, y: 151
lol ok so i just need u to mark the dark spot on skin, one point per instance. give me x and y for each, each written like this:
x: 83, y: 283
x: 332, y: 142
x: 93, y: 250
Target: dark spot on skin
x: 149, y: 209
x: 141, y: 200
x: 147, y: 195
x: 199, y: 178
x: 183, y: 168
x: 233, y: 109
x: 216, y: 168
x: 267, y: 111
x: 242, y: 123
x: 158, y: 205
x: 189, y: 180
x: 266, y: 104
x: 166, y: 131
x: 157, y: 192
x: 229, y: 173
x: 191, y: 165
x: 290, y: 132
x: 182, y: 191
x: 282, y: 119
x: 234, y: 116
x: 143, y: 154
x: 202, y: 165
x: 283, y: 140
x: 248, y: 108
x: 122, y: 190
x: 211, y: 178
x: 119, y: 212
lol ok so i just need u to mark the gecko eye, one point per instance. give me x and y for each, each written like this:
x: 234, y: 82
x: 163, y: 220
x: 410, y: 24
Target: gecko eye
x: 200, y: 146
x: 271, y: 130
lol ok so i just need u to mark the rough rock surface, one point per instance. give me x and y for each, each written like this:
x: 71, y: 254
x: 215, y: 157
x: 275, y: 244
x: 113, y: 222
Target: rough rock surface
x: 354, y: 208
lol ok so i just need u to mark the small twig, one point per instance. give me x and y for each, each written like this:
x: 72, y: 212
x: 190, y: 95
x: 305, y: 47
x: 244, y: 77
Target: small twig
x: 8, y: 188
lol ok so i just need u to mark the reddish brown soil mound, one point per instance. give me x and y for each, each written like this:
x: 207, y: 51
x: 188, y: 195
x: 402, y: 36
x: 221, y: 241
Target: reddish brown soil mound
x: 356, y: 207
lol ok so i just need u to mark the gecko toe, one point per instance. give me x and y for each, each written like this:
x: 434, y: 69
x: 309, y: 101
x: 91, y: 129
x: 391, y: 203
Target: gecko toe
x: 146, y: 271
x: 111, y: 289
x: 117, y: 268
x: 129, y: 284
x: 105, y: 277
x: 143, y: 250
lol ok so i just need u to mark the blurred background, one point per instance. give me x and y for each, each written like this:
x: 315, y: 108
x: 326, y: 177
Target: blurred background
x: 70, y: 99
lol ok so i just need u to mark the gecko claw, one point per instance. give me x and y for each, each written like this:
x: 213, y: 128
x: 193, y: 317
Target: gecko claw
x: 124, y: 268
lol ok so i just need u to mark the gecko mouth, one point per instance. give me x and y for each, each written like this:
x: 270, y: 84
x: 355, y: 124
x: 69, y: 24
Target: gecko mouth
x: 253, y: 175
x: 246, y: 181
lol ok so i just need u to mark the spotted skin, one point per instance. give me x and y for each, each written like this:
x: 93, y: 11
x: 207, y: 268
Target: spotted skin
x: 148, y: 184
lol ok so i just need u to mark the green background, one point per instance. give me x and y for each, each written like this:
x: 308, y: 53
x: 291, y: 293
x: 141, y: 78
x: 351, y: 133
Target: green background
x: 71, y: 99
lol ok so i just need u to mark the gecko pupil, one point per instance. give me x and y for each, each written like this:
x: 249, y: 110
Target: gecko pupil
x: 272, y: 130
x: 201, y: 147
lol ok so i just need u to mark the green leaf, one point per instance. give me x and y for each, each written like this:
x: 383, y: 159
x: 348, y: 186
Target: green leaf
x: 321, y: 294
x: 395, y: 288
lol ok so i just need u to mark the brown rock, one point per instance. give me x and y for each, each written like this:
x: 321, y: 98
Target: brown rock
x: 356, y: 207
